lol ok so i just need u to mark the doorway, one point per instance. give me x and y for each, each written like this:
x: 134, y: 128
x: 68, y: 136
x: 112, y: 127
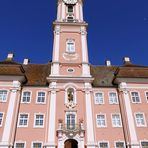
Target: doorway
x: 71, y: 143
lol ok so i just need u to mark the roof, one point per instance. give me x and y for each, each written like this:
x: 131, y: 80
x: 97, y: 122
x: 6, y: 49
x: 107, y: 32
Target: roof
x: 104, y: 76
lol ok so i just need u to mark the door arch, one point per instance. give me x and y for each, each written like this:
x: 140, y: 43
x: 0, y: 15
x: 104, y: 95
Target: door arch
x: 70, y: 143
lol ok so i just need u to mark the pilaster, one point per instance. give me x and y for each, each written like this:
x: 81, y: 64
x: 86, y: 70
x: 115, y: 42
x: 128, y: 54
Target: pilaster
x: 8, y: 132
x: 133, y: 143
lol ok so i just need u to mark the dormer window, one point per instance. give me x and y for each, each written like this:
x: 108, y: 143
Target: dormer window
x: 70, y: 46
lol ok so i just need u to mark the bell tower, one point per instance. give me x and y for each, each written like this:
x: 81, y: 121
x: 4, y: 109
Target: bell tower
x: 70, y: 53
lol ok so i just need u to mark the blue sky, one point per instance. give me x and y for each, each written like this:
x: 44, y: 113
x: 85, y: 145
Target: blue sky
x: 117, y: 28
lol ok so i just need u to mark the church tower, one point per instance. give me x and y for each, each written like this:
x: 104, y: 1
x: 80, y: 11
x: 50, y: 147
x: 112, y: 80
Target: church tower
x: 70, y: 53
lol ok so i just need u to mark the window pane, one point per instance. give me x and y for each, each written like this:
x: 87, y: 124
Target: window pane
x: 140, y: 120
x: 101, y: 120
x: 99, y: 98
x: 20, y: 145
x: 23, y: 121
x: 144, y: 144
x: 3, y: 95
x: 37, y: 145
x: 113, y: 98
x: 41, y: 97
x: 135, y: 97
x: 103, y: 145
x: 116, y: 120
x: 26, y: 96
x: 39, y: 121
x: 119, y: 144
x: 1, y: 118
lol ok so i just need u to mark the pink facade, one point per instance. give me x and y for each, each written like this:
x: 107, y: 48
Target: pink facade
x: 69, y: 103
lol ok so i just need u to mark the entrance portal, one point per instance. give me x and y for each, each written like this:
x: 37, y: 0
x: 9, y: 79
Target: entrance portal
x: 71, y: 143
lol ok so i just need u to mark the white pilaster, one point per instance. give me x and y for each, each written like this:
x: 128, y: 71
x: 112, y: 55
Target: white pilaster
x: 9, y: 117
x: 55, y: 65
x: 59, y: 11
x: 81, y: 12
x: 77, y: 11
x: 129, y: 115
x: 63, y: 11
x: 89, y: 117
x: 52, y: 115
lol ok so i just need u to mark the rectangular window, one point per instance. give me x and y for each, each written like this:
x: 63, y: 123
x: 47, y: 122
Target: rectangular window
x: 20, y: 145
x: 26, y: 97
x: 144, y: 144
x: 116, y: 120
x: 99, y: 98
x: 140, y: 119
x: 23, y: 120
x: 70, y: 9
x: 101, y: 120
x: 41, y: 97
x: 120, y: 145
x: 70, y: 46
x: 3, y: 95
x: 37, y: 145
x: 103, y: 145
x: 71, y: 121
x: 135, y: 97
x: 39, y: 120
x: 1, y: 118
x: 113, y: 98
x: 146, y: 96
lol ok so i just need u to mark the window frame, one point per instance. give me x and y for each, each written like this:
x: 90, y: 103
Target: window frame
x: 2, y: 119
x: 145, y: 124
x: 39, y: 126
x: 138, y: 96
x: 67, y: 48
x: 4, y: 101
x: 36, y: 142
x: 22, y: 113
x: 116, y: 126
x: 110, y: 99
x: 103, y: 142
x: 105, y: 119
x: 37, y: 95
x: 70, y: 12
x: 98, y: 103
x: 146, y: 96
x: 24, y: 102
x: 119, y: 142
x: 143, y: 141
x: 19, y: 142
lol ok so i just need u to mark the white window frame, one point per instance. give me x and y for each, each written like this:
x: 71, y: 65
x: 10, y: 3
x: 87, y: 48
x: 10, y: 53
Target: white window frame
x: 23, y: 96
x: 75, y: 95
x: 22, y: 113
x: 119, y: 142
x: 103, y: 142
x: 39, y: 126
x: 146, y: 96
x: 110, y: 99
x: 3, y: 101
x: 2, y: 119
x: 119, y: 119
x: 70, y: 41
x: 99, y: 103
x: 20, y: 143
x: 142, y: 141
x: 145, y: 124
x: 102, y: 126
x: 37, y: 97
x: 37, y: 142
x: 138, y: 96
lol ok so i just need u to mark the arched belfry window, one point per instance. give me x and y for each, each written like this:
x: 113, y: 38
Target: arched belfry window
x: 70, y: 95
x: 70, y: 46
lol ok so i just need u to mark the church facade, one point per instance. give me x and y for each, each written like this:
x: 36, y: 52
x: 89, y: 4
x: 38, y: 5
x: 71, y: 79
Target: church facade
x: 69, y: 103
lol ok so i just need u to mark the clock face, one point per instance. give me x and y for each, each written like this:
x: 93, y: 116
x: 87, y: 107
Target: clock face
x: 72, y: 2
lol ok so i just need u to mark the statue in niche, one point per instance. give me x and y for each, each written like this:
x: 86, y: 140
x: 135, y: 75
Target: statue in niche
x: 70, y: 93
